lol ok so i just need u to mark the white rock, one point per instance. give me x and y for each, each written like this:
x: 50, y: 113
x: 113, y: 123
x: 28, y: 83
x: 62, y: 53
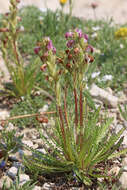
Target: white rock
x: 125, y: 124
x: 10, y: 127
x: 23, y: 178
x: 109, y: 90
x: 18, y: 165
x: 123, y: 180
x: 28, y: 143
x: 8, y: 181
x: 12, y: 172
x: 115, y: 170
x: 42, y: 150
x: 4, y: 114
x: 44, y: 109
x: 1, y: 128
x: 104, y: 96
x: 124, y: 162
x: 37, y: 187
x: 48, y: 186
x: 125, y: 168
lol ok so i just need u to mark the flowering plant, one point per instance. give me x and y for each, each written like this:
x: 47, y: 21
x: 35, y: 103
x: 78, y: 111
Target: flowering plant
x: 23, y: 79
x: 121, y: 33
x: 78, y: 142
x: 62, y: 2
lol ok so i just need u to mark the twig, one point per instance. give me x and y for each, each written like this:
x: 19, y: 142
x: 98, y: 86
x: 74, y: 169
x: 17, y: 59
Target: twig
x: 27, y: 115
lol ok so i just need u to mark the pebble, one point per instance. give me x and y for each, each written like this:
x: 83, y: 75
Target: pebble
x: 43, y: 109
x: 48, y: 186
x: 8, y: 181
x: 123, y: 180
x: 103, y: 96
x: 28, y: 143
x: 37, y: 188
x: 23, y: 178
x: 12, y: 172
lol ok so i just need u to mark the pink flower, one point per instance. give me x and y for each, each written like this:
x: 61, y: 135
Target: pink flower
x: 54, y: 50
x: 89, y: 49
x: 50, y: 45
x: 79, y: 31
x: 70, y: 43
x: 37, y: 49
x: 68, y: 35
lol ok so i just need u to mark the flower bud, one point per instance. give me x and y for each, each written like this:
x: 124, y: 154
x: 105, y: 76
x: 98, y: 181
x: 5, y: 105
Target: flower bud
x: 67, y: 51
x: 70, y: 56
x: 19, y: 18
x: 43, y: 67
x: 42, y: 119
x: 70, y: 43
x: 68, y: 35
x: 37, y: 49
x: 94, y: 5
x: 54, y: 50
x: 76, y: 50
x: 68, y: 65
x: 50, y: 45
x: 89, y: 49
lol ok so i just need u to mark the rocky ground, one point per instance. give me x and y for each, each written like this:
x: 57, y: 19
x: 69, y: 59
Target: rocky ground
x: 31, y: 138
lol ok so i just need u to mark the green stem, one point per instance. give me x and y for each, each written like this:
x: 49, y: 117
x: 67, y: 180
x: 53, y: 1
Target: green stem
x: 62, y: 125
x: 65, y: 106
x: 76, y: 107
x: 70, y: 8
x: 81, y: 108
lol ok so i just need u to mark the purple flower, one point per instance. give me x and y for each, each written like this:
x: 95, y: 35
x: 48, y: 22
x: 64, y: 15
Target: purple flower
x: 68, y: 35
x: 70, y: 43
x: 37, y: 49
x: 54, y: 50
x: 89, y: 49
x: 2, y: 164
x: 50, y: 45
x: 85, y: 36
x: 79, y: 31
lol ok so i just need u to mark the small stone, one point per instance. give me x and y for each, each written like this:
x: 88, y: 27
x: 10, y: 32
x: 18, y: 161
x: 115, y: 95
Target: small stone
x: 23, y: 178
x: 1, y: 128
x: 10, y: 127
x: 8, y: 181
x: 18, y: 165
x: 12, y: 172
x: 47, y: 186
x: 125, y: 124
x: 124, y: 162
x: 103, y: 96
x: 123, y: 180
x: 44, y: 109
x: 37, y: 187
x: 125, y: 168
x: 39, y: 142
x: 42, y: 150
x: 4, y: 114
x: 115, y: 170
x: 28, y: 143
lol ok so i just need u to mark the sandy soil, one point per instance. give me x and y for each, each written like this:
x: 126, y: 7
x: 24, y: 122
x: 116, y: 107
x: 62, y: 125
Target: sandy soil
x: 116, y: 9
